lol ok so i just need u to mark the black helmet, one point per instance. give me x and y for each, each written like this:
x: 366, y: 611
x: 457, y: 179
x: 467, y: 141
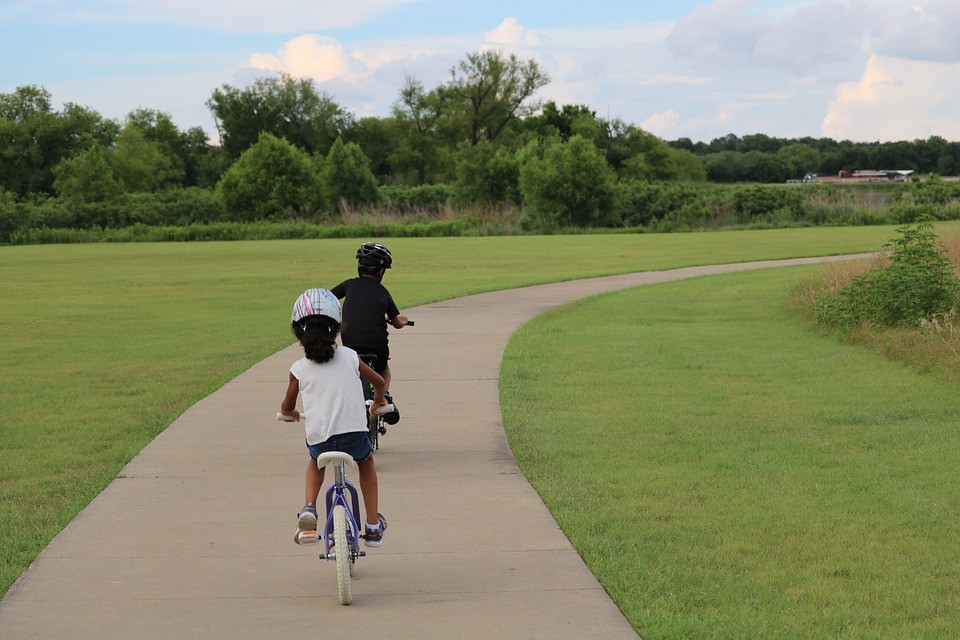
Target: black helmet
x: 373, y: 256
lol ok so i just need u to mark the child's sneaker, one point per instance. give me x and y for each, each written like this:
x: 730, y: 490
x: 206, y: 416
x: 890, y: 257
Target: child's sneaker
x: 306, y: 532
x: 374, y: 537
x: 394, y: 416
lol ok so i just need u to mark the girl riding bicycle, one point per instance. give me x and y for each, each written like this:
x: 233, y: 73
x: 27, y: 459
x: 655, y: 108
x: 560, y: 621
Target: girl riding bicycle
x: 333, y: 406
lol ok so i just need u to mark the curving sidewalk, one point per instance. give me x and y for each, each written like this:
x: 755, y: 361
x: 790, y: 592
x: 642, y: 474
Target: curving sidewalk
x: 194, y: 538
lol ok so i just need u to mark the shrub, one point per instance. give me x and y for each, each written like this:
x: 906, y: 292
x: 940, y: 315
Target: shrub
x: 272, y: 180
x: 432, y: 198
x: 918, y: 284
x: 571, y: 186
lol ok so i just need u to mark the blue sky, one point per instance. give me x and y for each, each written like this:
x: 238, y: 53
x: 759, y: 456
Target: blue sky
x: 847, y: 69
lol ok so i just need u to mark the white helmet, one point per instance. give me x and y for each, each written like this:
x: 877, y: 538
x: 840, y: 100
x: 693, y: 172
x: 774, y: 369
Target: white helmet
x: 317, y: 302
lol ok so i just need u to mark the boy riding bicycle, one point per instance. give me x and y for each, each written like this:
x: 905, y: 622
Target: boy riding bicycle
x: 367, y: 309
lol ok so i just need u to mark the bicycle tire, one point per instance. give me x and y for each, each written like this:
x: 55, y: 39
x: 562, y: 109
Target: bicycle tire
x: 343, y: 556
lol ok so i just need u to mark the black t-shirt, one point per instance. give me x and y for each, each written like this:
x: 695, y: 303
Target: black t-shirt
x: 367, y: 308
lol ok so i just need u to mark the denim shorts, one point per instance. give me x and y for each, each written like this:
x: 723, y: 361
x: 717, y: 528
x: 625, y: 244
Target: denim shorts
x: 356, y: 444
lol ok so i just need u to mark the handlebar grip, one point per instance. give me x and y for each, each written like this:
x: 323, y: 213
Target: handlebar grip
x: 410, y: 323
x: 387, y: 408
x: 283, y: 417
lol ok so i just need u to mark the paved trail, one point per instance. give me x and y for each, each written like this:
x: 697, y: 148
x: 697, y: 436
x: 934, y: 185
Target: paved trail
x: 194, y: 539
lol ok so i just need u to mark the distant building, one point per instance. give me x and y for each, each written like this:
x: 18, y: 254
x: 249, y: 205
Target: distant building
x: 882, y: 175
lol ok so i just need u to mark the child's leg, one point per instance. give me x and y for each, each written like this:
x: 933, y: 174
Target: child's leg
x: 314, y: 482
x: 370, y: 489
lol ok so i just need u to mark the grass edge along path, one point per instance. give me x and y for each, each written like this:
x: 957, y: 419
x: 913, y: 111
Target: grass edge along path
x: 104, y: 345
x: 729, y: 472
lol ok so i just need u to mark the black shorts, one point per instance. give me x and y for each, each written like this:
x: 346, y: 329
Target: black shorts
x: 382, y: 356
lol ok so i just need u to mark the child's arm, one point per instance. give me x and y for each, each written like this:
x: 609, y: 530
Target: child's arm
x: 289, y: 405
x: 379, y: 386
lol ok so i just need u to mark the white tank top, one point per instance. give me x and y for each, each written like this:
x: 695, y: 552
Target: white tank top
x: 332, y: 395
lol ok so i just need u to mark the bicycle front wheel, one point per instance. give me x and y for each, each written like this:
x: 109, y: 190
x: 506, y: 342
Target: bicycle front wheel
x: 342, y: 551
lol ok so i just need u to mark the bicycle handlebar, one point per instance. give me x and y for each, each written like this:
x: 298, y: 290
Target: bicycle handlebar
x: 387, y: 408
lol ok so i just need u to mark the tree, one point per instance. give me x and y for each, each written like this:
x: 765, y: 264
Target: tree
x: 195, y: 160
x: 570, y: 185
x: 493, y: 90
x: 34, y: 138
x: 487, y: 174
x: 800, y: 158
x: 419, y: 115
x: 379, y: 139
x: 282, y: 106
x: 142, y: 165
x: 347, y: 178
x: 562, y: 121
x: 272, y: 180
x: 86, y: 178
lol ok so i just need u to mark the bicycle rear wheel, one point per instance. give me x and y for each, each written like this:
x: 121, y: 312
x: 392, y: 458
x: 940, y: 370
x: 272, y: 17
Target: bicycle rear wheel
x: 342, y: 551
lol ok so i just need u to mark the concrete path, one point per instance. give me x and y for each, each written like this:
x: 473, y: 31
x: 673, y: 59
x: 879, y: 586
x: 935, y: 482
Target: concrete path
x: 195, y: 538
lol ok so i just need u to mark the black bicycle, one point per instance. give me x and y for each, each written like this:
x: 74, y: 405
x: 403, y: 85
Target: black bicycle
x: 375, y: 423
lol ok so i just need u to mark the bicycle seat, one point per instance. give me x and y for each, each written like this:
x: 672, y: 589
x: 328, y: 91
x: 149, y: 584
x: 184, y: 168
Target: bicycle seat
x: 333, y: 457
x: 368, y: 359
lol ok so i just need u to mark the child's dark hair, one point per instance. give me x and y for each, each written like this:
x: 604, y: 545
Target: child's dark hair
x: 318, y: 335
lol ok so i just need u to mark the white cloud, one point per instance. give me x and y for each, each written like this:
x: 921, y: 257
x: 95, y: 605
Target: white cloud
x: 311, y: 56
x: 511, y: 32
x: 824, y: 32
x: 896, y: 99
x: 664, y: 124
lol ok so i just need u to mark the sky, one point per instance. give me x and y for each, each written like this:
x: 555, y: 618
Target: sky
x: 861, y: 70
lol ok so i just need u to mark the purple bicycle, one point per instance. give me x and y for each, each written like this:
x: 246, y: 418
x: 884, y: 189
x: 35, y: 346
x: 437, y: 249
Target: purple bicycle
x: 341, y: 533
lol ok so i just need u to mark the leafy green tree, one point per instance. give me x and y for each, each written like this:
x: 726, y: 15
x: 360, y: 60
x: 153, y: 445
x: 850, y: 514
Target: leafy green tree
x: 688, y: 166
x: 561, y: 121
x: 34, y: 138
x: 570, y: 186
x: 420, y: 116
x: 282, y: 106
x: 493, y: 90
x: 142, y: 165
x: 487, y: 174
x: 87, y: 177
x: 800, y: 158
x: 347, y: 178
x: 272, y: 180
x: 379, y: 139
x: 725, y: 166
x: 195, y: 162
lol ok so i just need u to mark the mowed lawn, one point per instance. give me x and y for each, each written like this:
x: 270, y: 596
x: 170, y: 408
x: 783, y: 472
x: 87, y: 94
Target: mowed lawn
x: 102, y: 346
x: 729, y: 472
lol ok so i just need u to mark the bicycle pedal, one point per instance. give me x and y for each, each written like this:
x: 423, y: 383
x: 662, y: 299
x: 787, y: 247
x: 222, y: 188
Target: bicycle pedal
x: 308, y: 537
x: 382, y: 430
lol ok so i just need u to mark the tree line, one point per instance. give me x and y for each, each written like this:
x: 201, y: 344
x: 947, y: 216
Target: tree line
x: 288, y: 152
x: 761, y: 158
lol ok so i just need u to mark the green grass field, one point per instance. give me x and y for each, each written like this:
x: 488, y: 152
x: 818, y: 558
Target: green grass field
x: 102, y: 346
x: 730, y: 472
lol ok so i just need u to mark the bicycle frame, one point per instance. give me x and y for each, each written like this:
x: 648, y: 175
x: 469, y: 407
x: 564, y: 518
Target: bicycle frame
x: 337, y: 493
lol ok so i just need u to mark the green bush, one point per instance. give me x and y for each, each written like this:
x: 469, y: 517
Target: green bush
x: 431, y: 198
x: 918, y: 284
x: 571, y: 186
x: 271, y: 180
x: 762, y: 203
